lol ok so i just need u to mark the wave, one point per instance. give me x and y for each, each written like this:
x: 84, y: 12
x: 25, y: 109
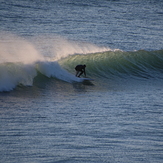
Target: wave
x: 23, y: 60
x: 106, y: 65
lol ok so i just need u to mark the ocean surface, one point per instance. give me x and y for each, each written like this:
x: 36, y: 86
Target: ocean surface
x: 47, y: 115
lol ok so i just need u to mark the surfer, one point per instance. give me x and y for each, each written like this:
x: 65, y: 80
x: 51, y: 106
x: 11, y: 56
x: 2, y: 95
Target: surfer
x: 80, y: 69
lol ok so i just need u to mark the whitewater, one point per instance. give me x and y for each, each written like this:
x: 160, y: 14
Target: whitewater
x: 48, y: 115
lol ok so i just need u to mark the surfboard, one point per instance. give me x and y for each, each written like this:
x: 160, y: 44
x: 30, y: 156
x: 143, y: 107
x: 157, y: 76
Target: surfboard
x: 77, y: 79
x: 86, y: 79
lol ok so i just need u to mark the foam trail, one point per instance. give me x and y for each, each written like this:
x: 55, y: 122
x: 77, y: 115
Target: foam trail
x: 53, y: 69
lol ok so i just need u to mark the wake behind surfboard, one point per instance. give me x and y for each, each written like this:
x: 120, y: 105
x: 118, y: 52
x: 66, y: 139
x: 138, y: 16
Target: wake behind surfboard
x: 85, y: 79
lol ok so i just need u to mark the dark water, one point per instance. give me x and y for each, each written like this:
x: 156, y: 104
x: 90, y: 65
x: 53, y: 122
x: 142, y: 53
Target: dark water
x: 49, y: 115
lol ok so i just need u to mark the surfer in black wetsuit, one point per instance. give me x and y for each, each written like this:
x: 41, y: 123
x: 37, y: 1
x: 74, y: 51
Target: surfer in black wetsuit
x: 80, y: 69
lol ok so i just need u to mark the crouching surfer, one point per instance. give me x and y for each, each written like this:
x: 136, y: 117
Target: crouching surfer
x: 80, y: 69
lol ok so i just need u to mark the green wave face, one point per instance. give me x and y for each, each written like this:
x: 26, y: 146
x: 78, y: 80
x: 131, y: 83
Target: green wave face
x: 142, y: 64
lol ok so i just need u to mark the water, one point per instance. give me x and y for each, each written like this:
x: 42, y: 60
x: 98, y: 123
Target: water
x: 49, y: 115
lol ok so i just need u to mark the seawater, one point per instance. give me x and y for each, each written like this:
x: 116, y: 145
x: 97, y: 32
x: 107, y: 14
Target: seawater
x: 49, y: 115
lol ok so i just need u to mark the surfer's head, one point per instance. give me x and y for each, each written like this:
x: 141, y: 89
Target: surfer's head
x: 84, y: 65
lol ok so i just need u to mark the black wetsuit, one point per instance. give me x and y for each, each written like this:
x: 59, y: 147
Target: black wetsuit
x: 81, y: 69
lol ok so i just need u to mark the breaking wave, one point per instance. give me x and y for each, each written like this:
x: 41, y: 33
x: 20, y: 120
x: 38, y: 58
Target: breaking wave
x: 22, y: 60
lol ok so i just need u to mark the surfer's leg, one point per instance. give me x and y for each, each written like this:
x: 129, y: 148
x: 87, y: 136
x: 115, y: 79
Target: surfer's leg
x: 77, y: 72
x: 81, y: 73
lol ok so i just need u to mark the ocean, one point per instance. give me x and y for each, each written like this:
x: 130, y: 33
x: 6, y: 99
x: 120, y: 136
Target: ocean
x: 47, y: 115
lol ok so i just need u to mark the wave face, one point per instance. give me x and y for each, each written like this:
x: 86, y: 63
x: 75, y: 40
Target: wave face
x: 112, y: 64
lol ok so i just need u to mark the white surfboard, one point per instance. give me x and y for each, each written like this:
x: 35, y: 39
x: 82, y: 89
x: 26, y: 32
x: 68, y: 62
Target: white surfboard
x: 77, y: 79
x: 86, y: 79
